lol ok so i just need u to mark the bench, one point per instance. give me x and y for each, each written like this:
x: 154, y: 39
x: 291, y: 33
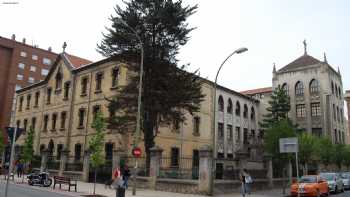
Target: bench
x: 64, y: 180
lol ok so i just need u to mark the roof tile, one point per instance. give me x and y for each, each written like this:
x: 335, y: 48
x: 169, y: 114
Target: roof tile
x: 77, y: 62
x: 257, y: 91
x: 302, y: 61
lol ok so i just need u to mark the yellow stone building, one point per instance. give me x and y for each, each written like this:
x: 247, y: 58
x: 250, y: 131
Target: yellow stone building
x: 62, y: 107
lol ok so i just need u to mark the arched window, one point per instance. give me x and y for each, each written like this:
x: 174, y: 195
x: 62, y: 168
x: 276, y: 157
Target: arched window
x: 229, y: 106
x: 245, y: 111
x: 285, y: 88
x: 252, y: 113
x: 221, y: 103
x: 299, y: 89
x: 314, y: 86
x: 332, y: 87
x: 238, y: 109
x: 339, y: 92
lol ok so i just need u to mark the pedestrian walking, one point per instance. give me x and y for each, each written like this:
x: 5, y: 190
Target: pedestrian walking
x: 19, y: 168
x: 246, y: 181
x: 126, y: 175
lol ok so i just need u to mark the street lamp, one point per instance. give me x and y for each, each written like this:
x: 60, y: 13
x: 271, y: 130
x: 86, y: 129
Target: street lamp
x: 238, y: 51
x: 138, y: 118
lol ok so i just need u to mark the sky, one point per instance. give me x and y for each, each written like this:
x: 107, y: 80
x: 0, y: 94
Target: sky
x: 272, y: 30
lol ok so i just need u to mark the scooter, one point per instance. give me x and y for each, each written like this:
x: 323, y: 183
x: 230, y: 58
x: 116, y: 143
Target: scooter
x: 41, y: 178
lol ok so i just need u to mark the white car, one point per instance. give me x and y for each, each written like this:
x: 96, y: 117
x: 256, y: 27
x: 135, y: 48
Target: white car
x: 346, y: 179
x: 334, y: 180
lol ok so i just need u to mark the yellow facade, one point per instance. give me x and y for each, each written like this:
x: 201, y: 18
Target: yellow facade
x: 74, y: 131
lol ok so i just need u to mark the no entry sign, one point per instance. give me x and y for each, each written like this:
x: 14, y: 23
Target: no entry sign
x: 136, y: 152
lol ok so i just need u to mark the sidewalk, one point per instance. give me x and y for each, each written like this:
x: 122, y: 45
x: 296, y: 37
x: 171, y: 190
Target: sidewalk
x: 87, y: 188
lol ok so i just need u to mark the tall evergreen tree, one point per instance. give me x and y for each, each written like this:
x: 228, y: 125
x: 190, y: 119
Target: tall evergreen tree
x: 168, y: 91
x: 278, y: 109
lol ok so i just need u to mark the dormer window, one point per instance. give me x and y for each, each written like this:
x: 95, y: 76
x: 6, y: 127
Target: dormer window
x: 58, y: 80
x: 66, y: 90
x: 48, y: 101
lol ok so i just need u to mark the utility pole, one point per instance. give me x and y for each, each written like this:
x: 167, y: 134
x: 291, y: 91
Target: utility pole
x: 11, y: 161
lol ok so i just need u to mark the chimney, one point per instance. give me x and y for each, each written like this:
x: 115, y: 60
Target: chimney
x: 24, y: 40
x: 49, y: 49
x: 13, y: 37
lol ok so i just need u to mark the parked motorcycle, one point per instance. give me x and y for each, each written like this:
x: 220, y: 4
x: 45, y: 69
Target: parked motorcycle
x: 41, y: 178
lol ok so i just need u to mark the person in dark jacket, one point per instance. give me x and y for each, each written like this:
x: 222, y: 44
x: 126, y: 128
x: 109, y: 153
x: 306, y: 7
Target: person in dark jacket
x: 125, y: 174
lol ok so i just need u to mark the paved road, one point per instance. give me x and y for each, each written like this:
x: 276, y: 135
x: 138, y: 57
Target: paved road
x: 345, y: 194
x: 26, y: 191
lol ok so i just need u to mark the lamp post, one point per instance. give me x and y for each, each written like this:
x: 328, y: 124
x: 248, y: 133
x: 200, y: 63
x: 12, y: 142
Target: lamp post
x: 238, y: 51
x: 138, y: 117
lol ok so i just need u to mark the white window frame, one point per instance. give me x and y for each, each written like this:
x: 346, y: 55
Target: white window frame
x: 34, y: 57
x: 17, y: 87
x: 23, y: 54
x: 46, y: 61
x: 21, y: 65
x: 44, y: 72
x: 32, y: 68
x: 19, y: 77
x: 31, y: 80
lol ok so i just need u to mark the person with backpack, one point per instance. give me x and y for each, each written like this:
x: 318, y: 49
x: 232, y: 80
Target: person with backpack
x: 246, y: 181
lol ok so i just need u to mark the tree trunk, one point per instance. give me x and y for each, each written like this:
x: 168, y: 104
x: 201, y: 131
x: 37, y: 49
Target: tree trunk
x: 95, y: 181
x: 306, y: 169
x: 149, y: 125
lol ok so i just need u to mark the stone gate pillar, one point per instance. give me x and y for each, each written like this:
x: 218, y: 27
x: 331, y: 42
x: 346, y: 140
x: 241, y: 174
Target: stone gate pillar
x: 290, y: 172
x: 44, y: 156
x: 86, y: 166
x: 156, y: 154
x: 269, y: 174
x: 206, y: 177
x: 63, y: 161
x: 118, y: 155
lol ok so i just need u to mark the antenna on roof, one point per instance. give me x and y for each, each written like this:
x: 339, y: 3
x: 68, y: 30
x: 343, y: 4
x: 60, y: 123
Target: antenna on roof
x: 305, y: 45
x: 64, y: 46
x: 325, y: 57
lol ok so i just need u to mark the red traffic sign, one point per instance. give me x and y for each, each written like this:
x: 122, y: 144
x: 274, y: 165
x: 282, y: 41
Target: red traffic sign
x: 136, y: 152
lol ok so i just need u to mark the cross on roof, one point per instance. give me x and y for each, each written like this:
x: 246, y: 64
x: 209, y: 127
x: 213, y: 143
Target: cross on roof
x: 305, y: 45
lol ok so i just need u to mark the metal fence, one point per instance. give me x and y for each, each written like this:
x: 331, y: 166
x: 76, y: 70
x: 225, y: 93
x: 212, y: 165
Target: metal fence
x: 142, y: 169
x: 36, y: 162
x: 53, y: 163
x: 104, y: 173
x: 74, y: 164
x: 178, y: 168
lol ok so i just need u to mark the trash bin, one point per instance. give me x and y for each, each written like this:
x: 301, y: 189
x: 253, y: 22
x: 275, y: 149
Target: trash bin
x: 120, y: 192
